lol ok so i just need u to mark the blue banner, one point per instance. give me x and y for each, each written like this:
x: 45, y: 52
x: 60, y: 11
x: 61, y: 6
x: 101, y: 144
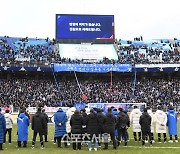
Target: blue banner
x: 26, y: 68
x: 80, y: 105
x: 157, y: 67
x: 125, y: 106
x: 96, y: 68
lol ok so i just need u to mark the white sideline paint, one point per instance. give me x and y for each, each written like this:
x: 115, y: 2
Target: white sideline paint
x: 148, y: 147
x: 137, y: 147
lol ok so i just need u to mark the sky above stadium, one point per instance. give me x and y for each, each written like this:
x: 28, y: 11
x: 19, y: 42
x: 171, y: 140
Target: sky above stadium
x: 152, y: 19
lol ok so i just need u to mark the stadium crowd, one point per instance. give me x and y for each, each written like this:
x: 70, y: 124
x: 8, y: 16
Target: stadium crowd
x: 27, y: 51
x: 138, y: 52
x: 29, y: 92
x: 21, y: 51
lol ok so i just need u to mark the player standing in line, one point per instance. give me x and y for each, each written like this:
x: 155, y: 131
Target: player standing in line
x: 161, y: 121
x: 172, y: 124
x: 134, y: 120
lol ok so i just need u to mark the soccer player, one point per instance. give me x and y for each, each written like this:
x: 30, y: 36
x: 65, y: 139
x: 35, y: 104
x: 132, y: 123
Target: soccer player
x: 38, y: 124
x: 172, y: 124
x: 122, y: 125
x: 60, y: 120
x: 92, y: 130
x: 45, y: 130
x: 134, y: 120
x: 2, y: 129
x: 76, y: 123
x: 22, y: 123
x: 145, y: 122
x: 149, y: 111
x: 9, y: 123
x: 109, y: 125
x: 161, y: 121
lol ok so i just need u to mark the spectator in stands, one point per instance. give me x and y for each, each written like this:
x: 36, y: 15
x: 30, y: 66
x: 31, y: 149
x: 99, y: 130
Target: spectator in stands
x: 38, y: 124
x: 76, y: 123
x: 60, y: 120
x: 7, y: 108
x: 2, y: 129
x: 172, y: 124
x: 161, y: 121
x: 22, y: 123
x: 30, y: 92
x: 134, y: 120
x: 145, y: 122
x: 43, y: 52
x: 9, y: 123
x: 45, y: 129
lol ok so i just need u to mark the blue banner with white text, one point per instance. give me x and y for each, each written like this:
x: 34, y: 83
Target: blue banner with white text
x: 96, y: 68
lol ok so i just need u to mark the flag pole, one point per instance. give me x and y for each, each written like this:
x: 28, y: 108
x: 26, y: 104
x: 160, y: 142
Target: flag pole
x: 111, y: 81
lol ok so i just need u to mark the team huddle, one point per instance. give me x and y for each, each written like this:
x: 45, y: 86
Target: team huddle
x: 92, y: 127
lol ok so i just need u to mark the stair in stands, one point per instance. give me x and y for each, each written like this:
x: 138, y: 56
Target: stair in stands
x: 172, y: 41
x: 178, y: 48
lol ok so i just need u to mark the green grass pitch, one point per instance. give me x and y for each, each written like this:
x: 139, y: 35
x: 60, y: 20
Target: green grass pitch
x: 50, y: 148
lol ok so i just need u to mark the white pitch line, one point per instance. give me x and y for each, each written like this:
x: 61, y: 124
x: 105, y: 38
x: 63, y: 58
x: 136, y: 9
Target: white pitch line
x: 139, y: 147
x: 148, y: 147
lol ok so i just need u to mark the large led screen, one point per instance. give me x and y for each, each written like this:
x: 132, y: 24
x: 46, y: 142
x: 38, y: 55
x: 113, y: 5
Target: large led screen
x: 84, y: 26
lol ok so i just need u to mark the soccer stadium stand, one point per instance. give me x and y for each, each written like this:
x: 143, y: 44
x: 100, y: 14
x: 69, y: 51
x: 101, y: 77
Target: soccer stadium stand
x: 26, y: 91
x: 29, y: 92
x: 41, y: 52
x: 27, y: 51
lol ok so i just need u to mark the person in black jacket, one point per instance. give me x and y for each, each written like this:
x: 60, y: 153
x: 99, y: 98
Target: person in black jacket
x: 123, y: 123
x: 38, y: 124
x: 45, y: 130
x: 101, y: 121
x: 76, y: 123
x: 84, y: 129
x: 145, y: 122
x: 109, y: 128
x: 92, y: 130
